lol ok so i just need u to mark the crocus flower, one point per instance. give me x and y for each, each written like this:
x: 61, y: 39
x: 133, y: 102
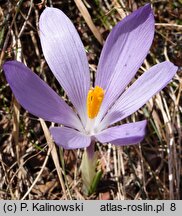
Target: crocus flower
x: 95, y: 109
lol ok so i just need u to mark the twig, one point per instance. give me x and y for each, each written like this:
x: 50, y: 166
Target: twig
x: 83, y: 10
x: 26, y: 19
x: 168, y: 25
x: 54, y: 154
x: 9, y: 32
x: 38, y: 176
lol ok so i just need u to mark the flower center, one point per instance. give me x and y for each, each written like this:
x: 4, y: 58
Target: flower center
x: 94, y: 100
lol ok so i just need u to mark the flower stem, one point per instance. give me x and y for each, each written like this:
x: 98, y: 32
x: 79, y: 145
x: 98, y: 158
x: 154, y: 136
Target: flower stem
x: 91, y: 150
x: 90, y: 175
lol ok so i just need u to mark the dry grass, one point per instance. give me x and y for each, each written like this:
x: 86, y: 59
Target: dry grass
x: 31, y: 167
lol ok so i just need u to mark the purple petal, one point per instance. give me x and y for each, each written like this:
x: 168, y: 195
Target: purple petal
x: 147, y: 85
x: 123, y: 53
x: 37, y: 97
x: 65, y: 55
x: 69, y: 138
x: 126, y: 134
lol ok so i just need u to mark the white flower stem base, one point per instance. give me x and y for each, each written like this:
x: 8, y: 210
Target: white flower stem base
x: 89, y: 173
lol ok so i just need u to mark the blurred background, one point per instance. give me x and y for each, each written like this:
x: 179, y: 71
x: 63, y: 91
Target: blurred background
x: 29, y: 170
